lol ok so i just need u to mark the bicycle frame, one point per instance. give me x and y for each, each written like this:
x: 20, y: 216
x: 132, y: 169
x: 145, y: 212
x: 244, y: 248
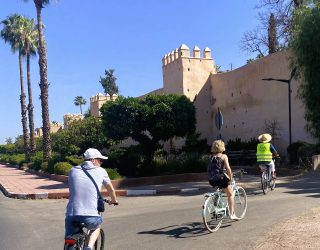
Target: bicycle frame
x: 266, y: 178
x: 224, y: 205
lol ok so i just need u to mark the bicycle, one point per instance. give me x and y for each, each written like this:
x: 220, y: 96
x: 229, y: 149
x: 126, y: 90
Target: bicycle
x: 80, y: 240
x: 215, y: 209
x: 266, y: 179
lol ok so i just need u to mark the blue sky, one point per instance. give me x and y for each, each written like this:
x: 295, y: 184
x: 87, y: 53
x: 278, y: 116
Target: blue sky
x: 131, y: 36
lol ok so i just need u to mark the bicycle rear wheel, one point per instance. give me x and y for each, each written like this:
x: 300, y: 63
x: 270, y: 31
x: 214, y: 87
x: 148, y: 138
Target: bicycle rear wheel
x: 240, y: 202
x: 264, y: 182
x: 211, y: 219
x: 272, y: 183
x: 99, y: 245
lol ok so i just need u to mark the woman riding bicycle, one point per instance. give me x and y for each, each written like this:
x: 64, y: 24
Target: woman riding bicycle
x: 220, y: 174
x: 82, y: 205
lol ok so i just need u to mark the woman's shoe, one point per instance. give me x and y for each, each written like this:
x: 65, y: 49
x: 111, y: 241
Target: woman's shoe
x: 233, y: 217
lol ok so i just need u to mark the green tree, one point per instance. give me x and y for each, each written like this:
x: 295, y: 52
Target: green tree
x: 148, y: 121
x: 79, y: 101
x: 9, y: 140
x: 306, y: 48
x: 257, y: 39
x: 108, y: 83
x: 44, y: 86
x: 12, y: 33
x: 79, y: 136
x: 272, y: 35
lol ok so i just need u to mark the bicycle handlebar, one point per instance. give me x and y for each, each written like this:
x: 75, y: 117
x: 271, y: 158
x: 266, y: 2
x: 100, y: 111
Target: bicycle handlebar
x: 240, y: 171
x: 111, y: 203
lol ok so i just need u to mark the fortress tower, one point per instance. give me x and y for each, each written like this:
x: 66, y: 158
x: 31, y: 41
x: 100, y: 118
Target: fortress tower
x: 185, y: 74
x: 97, y: 101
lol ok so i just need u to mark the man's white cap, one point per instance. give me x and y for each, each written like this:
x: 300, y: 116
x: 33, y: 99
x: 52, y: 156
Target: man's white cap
x: 92, y: 153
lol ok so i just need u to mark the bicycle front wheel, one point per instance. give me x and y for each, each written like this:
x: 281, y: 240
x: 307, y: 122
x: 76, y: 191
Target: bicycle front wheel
x: 264, y: 182
x: 211, y: 219
x: 240, y: 202
x: 99, y: 245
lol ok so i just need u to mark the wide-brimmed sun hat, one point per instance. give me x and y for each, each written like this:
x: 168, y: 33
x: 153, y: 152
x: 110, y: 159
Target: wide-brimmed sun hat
x: 92, y: 153
x: 265, y: 138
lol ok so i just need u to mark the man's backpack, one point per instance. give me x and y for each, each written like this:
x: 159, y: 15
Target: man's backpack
x: 215, y: 168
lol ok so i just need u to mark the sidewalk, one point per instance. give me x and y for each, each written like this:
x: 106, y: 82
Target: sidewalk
x: 20, y: 184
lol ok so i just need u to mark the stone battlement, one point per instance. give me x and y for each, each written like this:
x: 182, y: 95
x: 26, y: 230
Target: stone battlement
x: 100, y: 97
x: 184, y: 52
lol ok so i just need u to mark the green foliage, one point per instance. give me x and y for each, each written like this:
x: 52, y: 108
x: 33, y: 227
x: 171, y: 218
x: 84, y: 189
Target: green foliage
x: 79, y: 101
x: 109, y: 83
x: 126, y: 160
x: 237, y: 144
x: 148, y: 121
x: 14, y: 159
x: 8, y: 149
x: 113, y: 173
x: 44, y: 167
x: 301, y: 149
x: 195, y: 144
x: 36, y: 161
x: 182, y: 163
x: 74, y: 160
x: 62, y: 168
x: 55, y: 157
x: 79, y: 136
x: 305, y: 45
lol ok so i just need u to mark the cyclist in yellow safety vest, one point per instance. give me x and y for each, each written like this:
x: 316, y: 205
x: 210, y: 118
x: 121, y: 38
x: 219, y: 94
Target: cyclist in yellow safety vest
x: 265, y: 151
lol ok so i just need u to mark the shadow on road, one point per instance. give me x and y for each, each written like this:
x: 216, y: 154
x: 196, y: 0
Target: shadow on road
x: 188, y: 230
x: 307, y: 184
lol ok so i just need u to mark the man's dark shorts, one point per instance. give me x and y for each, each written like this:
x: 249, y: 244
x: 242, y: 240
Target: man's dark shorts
x: 221, y: 183
x: 91, y: 222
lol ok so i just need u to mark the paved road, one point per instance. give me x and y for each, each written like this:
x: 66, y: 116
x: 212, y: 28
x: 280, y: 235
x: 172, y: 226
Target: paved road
x: 157, y: 222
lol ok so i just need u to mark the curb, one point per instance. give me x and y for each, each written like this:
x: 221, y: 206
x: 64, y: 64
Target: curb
x: 129, y: 192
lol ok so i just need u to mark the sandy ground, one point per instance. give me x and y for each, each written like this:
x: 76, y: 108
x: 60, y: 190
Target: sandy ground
x: 301, y: 232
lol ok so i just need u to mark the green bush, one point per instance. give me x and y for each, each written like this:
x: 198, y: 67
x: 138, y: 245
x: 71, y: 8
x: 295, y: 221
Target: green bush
x: 36, y: 161
x: 4, y: 158
x: 126, y: 160
x: 55, y: 157
x: 293, y: 151
x: 14, y: 159
x: 44, y: 167
x: 17, y: 159
x: 183, y: 163
x: 113, y: 173
x: 74, y: 160
x: 62, y: 168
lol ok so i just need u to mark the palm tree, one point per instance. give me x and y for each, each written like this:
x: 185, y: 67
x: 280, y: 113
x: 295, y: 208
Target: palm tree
x: 44, y: 86
x: 12, y: 34
x: 79, y: 101
x: 30, y: 46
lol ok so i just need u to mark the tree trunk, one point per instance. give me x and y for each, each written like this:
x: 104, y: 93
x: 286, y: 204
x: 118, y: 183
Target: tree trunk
x: 30, y: 108
x: 44, y: 86
x: 23, y: 113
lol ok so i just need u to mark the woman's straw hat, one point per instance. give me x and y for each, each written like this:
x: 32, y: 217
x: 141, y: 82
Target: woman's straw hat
x: 265, y: 138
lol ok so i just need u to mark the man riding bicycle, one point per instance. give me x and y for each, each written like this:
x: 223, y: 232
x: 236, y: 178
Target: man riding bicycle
x: 82, y: 205
x: 265, y: 152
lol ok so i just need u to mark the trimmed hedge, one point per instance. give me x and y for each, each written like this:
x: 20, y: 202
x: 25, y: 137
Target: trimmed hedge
x: 62, y: 168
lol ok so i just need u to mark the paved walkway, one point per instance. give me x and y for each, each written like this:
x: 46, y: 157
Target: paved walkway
x: 16, y: 183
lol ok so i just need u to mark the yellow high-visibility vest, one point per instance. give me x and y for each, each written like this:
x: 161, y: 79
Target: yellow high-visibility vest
x: 263, y: 152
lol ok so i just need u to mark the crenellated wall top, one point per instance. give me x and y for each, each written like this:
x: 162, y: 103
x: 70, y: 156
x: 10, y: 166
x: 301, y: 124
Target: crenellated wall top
x: 184, y: 52
x: 101, y: 97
